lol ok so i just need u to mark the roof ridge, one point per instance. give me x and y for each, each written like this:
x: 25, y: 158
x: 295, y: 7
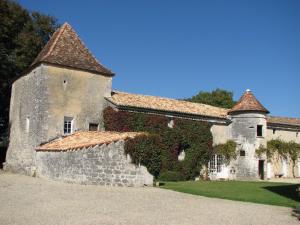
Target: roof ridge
x: 85, y: 46
x: 167, y: 98
x: 60, y: 31
x: 65, y: 48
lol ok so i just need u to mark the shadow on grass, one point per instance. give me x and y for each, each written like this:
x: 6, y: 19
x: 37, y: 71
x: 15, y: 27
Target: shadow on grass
x: 288, y: 191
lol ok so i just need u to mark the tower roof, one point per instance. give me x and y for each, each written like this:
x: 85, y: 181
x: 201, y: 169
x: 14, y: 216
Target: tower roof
x: 248, y: 102
x: 67, y: 50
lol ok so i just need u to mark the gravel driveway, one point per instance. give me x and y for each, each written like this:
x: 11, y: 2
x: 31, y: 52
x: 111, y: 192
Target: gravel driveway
x: 26, y: 200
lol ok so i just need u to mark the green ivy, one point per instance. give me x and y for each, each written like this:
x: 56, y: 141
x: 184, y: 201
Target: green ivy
x: 278, y: 147
x: 228, y: 150
x: 159, y: 150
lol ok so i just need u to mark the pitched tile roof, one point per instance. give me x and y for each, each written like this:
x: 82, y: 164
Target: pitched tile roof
x: 166, y: 105
x: 283, y: 120
x: 248, y: 102
x: 85, y: 139
x: 66, y: 49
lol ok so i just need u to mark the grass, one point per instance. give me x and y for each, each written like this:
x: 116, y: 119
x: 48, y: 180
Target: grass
x: 281, y: 194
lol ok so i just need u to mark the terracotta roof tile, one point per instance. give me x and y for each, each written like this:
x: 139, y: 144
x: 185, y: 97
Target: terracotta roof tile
x: 85, y: 139
x: 283, y: 120
x: 248, y: 102
x: 166, y: 104
x: 66, y: 49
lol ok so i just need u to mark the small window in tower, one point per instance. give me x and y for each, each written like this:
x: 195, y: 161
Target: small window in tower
x: 68, y: 125
x: 27, y: 124
x: 242, y: 153
x: 259, y: 131
x: 274, y: 131
x: 297, y: 134
x: 93, y: 126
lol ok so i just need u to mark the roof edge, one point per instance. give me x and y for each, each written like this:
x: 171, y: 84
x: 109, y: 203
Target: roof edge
x: 33, y: 66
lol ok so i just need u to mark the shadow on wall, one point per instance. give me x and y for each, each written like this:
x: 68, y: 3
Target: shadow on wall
x: 2, y: 155
x: 288, y: 191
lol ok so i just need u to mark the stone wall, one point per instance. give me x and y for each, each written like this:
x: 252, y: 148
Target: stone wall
x: 40, y: 101
x: 220, y: 133
x: 285, y: 135
x: 243, y: 131
x: 279, y: 165
x: 103, y: 165
x: 28, y: 103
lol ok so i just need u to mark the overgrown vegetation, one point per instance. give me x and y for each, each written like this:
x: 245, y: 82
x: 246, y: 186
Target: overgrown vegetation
x: 288, y: 150
x: 228, y: 150
x: 159, y: 150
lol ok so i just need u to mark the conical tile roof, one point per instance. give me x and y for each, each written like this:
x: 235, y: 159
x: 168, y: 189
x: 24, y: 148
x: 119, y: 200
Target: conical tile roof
x: 248, y: 102
x: 67, y: 50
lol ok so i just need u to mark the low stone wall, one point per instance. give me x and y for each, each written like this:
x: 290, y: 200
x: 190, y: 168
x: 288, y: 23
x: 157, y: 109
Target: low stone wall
x: 102, y: 165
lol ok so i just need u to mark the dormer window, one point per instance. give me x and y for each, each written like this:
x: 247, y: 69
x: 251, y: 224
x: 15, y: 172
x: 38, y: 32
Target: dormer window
x: 259, y: 130
x: 68, y: 125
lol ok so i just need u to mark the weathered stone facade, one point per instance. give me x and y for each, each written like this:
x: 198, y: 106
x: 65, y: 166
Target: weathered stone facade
x: 41, y: 100
x: 105, y: 165
x: 244, y: 133
x: 66, y: 81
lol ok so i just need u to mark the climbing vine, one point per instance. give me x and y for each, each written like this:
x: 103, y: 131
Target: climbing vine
x: 288, y: 150
x: 228, y: 150
x: 159, y: 150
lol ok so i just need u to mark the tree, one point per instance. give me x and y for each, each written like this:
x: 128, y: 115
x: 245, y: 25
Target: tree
x: 22, y: 36
x: 219, y: 97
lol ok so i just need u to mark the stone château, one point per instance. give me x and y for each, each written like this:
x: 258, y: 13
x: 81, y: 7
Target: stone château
x: 56, y: 127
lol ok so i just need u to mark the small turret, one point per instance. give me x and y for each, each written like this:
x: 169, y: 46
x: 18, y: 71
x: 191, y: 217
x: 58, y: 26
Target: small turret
x: 248, y: 103
x: 248, y: 130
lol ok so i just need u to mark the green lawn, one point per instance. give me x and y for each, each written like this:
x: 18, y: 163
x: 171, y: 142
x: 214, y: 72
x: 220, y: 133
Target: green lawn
x: 282, y: 194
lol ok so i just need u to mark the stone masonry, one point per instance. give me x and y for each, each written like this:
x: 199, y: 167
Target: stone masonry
x: 104, y: 165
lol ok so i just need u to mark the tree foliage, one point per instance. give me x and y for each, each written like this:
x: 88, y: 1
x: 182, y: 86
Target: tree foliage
x: 219, y: 97
x: 22, y: 36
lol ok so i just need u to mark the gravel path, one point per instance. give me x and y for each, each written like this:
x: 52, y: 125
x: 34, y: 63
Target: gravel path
x: 26, y: 200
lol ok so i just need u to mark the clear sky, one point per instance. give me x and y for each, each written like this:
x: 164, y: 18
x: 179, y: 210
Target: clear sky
x: 177, y: 48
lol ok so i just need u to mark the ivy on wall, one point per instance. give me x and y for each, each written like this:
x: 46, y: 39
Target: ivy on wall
x: 228, y: 150
x: 159, y: 150
x: 287, y: 150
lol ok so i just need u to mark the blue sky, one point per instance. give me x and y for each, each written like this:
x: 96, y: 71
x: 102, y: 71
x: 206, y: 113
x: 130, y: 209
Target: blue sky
x: 177, y: 48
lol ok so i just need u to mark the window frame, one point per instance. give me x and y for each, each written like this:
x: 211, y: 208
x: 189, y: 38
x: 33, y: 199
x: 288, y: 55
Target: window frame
x: 68, y: 125
x: 259, y: 130
x: 94, y: 124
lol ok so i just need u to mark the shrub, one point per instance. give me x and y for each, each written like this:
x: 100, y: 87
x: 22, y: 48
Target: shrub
x: 171, y: 176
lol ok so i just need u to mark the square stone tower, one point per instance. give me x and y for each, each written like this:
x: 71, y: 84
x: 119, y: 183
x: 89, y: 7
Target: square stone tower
x: 62, y: 92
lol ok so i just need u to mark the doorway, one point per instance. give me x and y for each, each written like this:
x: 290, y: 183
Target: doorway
x: 261, y: 172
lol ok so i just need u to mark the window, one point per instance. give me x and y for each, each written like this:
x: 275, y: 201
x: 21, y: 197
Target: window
x: 259, y: 131
x: 27, y: 124
x: 93, y: 126
x: 242, y: 153
x: 296, y: 134
x: 215, y: 164
x: 274, y: 131
x: 68, y: 125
